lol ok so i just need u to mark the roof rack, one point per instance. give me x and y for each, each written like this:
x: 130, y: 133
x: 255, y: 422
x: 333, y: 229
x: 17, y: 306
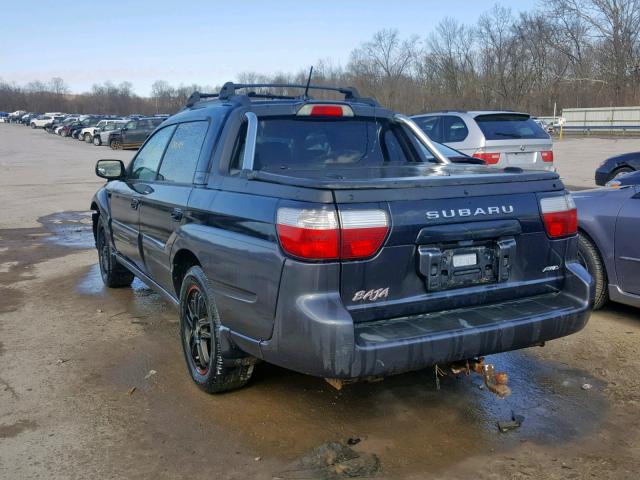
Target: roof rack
x: 228, y: 90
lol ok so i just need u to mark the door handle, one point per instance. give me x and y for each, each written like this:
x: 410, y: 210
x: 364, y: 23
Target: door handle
x: 135, y: 203
x: 176, y: 214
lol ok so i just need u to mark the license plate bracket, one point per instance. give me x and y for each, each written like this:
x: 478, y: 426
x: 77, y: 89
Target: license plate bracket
x: 452, y: 266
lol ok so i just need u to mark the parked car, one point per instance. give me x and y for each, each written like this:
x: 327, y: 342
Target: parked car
x: 63, y: 127
x: 85, y: 121
x: 66, y: 129
x: 134, y: 133
x: 317, y: 236
x: 53, y: 125
x: 609, y: 222
x: 4, y: 117
x: 103, y: 134
x: 501, y: 139
x: 86, y: 133
x: 14, y: 117
x: 632, y: 178
x: 41, y: 120
x: 617, y: 165
x: 26, y: 119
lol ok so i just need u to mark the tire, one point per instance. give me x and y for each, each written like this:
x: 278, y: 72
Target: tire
x: 200, y: 337
x: 113, y: 274
x: 33, y: 125
x: 97, y: 141
x: 619, y: 172
x: 590, y: 259
x: 115, y: 144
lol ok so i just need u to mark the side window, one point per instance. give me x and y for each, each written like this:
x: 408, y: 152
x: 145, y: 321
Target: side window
x: 181, y: 158
x: 431, y: 126
x: 454, y: 129
x: 130, y: 125
x: 145, y: 164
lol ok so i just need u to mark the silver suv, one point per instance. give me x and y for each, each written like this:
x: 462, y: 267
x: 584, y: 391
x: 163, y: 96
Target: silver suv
x: 103, y: 131
x: 500, y: 138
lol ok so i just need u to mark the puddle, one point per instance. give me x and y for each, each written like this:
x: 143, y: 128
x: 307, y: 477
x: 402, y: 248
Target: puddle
x: 70, y: 229
x: 59, y: 234
x: 91, y: 284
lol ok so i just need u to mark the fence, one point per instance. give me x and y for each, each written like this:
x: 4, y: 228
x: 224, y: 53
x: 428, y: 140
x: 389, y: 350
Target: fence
x: 616, y: 120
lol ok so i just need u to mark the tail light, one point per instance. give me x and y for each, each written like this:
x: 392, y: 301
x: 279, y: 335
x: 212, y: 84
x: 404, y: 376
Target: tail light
x: 547, y: 155
x: 559, y: 215
x: 362, y: 232
x: 317, y: 234
x: 325, y: 110
x: 489, y: 158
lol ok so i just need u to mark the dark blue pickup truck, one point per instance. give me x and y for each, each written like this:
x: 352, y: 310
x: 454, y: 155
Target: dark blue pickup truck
x: 333, y: 238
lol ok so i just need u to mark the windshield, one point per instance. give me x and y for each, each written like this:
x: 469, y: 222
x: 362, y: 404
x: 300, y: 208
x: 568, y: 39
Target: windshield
x: 310, y: 143
x: 507, y: 126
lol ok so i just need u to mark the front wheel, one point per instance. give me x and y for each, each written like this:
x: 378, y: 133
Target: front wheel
x: 97, y: 141
x: 590, y: 259
x: 115, y: 144
x: 87, y: 137
x: 200, y: 334
x: 619, y: 172
x: 113, y: 274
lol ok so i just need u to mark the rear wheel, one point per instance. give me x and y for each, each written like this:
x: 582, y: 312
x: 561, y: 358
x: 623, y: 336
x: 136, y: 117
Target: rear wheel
x: 589, y: 258
x: 87, y: 137
x: 33, y: 125
x: 113, y: 274
x: 200, y: 334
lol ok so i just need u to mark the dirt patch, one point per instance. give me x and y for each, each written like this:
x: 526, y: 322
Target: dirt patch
x: 10, y: 300
x: 13, y: 430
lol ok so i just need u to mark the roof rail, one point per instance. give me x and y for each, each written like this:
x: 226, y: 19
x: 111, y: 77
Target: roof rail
x: 229, y: 89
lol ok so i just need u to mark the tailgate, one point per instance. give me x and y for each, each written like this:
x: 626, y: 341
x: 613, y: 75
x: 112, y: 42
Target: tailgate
x: 445, y: 252
x: 520, y: 153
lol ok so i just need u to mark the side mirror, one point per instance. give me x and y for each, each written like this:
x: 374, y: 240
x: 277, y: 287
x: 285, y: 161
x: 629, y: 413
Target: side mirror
x: 110, y: 169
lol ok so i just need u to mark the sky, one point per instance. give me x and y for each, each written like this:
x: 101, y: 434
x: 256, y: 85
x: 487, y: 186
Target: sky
x: 203, y: 42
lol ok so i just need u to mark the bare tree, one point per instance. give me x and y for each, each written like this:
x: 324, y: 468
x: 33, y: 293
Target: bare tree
x: 383, y: 64
x: 614, y: 26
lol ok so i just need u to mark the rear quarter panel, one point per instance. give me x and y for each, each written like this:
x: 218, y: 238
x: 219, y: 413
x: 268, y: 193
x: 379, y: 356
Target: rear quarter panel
x: 597, y: 213
x: 233, y: 236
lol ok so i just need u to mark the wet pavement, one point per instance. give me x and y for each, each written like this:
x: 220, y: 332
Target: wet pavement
x: 79, y: 399
x: 405, y: 421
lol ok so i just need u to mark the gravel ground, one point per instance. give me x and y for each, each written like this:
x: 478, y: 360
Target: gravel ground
x: 93, y: 385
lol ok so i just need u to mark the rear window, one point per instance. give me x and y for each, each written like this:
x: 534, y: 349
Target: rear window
x: 294, y: 143
x: 505, y: 126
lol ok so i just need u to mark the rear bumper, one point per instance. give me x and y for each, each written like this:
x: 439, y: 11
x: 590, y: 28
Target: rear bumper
x: 316, y: 335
